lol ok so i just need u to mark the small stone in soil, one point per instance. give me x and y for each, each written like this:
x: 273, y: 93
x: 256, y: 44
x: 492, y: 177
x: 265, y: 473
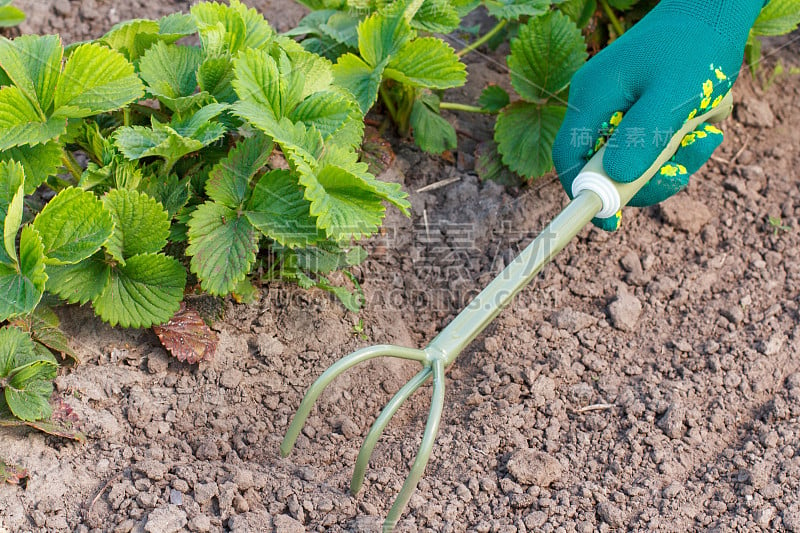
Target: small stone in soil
x: 532, y: 467
x: 791, y: 518
x: 287, y: 524
x: 685, y: 214
x: 203, y: 492
x: 200, y: 523
x: 672, y: 421
x: 166, y: 520
x: 175, y: 497
x: 153, y: 469
x: 625, y: 311
x: 733, y: 313
x: 755, y: 112
x: 572, y: 320
x: 231, y: 378
x: 610, y: 514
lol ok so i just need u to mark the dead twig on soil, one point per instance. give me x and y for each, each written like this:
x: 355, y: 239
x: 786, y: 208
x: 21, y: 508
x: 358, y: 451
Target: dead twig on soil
x: 741, y: 150
x: 732, y: 161
x: 108, y: 483
x: 439, y: 184
x: 593, y: 407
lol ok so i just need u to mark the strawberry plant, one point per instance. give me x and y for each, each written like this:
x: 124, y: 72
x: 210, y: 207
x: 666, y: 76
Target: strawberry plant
x: 379, y: 51
x: 220, y: 162
x: 10, y: 15
x: 197, y: 156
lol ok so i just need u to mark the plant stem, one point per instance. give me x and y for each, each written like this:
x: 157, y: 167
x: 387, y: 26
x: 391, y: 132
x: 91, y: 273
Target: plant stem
x: 453, y: 106
x: 481, y: 40
x: 69, y: 161
x: 389, y: 103
x: 126, y: 116
x: 612, y: 17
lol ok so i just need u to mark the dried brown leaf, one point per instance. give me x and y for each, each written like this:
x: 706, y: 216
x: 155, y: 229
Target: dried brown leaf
x: 12, y: 474
x: 60, y: 424
x: 187, y: 337
x: 376, y: 151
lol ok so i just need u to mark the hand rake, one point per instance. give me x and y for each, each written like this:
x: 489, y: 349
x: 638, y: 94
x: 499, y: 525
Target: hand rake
x: 594, y: 195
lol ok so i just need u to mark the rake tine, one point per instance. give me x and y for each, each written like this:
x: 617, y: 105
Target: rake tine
x: 425, y: 448
x: 380, y: 423
x: 341, y: 366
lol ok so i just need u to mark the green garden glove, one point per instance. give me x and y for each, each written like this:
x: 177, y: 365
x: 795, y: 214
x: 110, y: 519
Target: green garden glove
x: 679, y: 61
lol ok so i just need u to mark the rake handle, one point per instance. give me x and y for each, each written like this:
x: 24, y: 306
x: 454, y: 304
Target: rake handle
x: 586, y: 205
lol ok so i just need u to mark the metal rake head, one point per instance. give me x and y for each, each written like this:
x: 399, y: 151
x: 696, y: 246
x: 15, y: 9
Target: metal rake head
x: 433, y: 365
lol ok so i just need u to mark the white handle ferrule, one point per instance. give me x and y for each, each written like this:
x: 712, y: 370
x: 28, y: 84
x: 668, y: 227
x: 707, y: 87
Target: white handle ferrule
x: 602, y: 187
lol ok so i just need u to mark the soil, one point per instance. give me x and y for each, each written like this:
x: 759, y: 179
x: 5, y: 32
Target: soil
x: 647, y: 380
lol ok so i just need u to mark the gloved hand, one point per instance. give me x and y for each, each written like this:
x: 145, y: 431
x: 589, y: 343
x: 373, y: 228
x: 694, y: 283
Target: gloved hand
x: 677, y: 62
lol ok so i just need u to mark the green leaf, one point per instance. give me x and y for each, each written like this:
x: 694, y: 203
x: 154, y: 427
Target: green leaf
x: 360, y: 79
x: 33, y: 63
x: 170, y: 71
x: 287, y: 134
x: 80, y: 282
x: 778, y: 17
x: 28, y: 392
x: 43, y: 326
x: 177, y: 25
x: 12, y: 180
x: 258, y: 80
x: 349, y: 161
x: 381, y: 36
x: 221, y: 27
x: 141, y: 225
x: 353, y: 301
x: 21, y: 123
x: 752, y: 53
x: 172, y: 141
x: 525, y: 134
x: 258, y: 32
x: 222, y: 246
x: 545, y: 55
x: 323, y: 4
x: 437, y: 16
x: 12, y: 177
x: 172, y: 193
x: 580, y: 11
x: 40, y: 162
x: 465, y: 7
x: 432, y: 133
x: 229, y: 181
x: 215, y: 76
x: 13, y: 217
x: 489, y: 165
x: 427, y: 62
x: 328, y: 257
x: 22, y: 284
x: 514, y: 9
x: 344, y: 204
x: 16, y: 349
x: 342, y: 28
x: 73, y: 226
x: 11, y: 16
x: 95, y: 80
x: 494, y: 98
x: 336, y: 116
x: 317, y: 71
x: 280, y: 211
x: 132, y: 38
x: 147, y: 290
